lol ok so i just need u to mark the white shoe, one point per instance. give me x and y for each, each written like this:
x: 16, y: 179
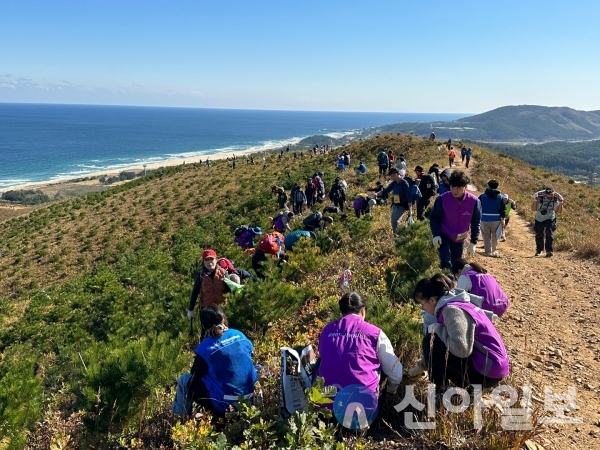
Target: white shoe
x: 502, y: 238
x: 495, y: 254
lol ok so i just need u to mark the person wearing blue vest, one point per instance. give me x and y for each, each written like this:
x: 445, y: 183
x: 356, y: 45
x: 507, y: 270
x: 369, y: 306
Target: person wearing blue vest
x: 444, y: 185
x: 493, y: 211
x: 223, y: 369
x: 453, y: 215
x: 461, y: 345
x: 400, y: 197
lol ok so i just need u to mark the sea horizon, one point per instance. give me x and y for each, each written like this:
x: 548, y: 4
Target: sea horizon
x: 49, y: 142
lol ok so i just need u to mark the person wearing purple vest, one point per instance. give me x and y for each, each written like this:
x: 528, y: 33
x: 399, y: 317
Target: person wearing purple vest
x: 352, y: 351
x: 474, y: 279
x: 454, y: 214
x: 462, y: 345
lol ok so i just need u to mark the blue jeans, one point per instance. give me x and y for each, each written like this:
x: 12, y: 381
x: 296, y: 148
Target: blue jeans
x: 449, y: 251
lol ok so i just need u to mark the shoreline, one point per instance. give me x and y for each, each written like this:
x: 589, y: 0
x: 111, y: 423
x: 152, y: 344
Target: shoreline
x: 134, y: 168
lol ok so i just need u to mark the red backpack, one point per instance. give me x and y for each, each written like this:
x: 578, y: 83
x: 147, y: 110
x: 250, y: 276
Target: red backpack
x: 224, y: 263
x: 271, y: 243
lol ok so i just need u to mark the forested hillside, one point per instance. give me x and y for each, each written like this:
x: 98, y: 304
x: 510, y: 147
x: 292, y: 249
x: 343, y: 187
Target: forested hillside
x: 93, y: 294
x: 524, y: 123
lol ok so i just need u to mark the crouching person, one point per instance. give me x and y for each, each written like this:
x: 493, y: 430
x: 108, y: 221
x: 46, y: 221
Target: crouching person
x: 353, y: 351
x: 222, y: 370
x: 462, y: 345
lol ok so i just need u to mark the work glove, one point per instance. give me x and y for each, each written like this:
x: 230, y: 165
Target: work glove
x: 437, y: 242
x: 471, y: 249
x: 415, y: 373
x: 190, y: 314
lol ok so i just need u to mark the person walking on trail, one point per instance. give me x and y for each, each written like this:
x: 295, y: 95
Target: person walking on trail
x: 510, y: 206
x: 461, y: 344
x: 400, y: 190
x: 463, y: 154
x: 391, y: 158
x: 299, y: 201
x: 223, y: 369
x: 211, y: 283
x: 360, y: 348
x: 444, y: 184
x: 281, y: 222
x: 453, y: 215
x: 428, y: 187
x: 546, y: 204
x: 474, y: 279
x: 493, y: 211
x: 317, y: 221
x: 281, y: 198
x: 337, y: 194
x: 468, y: 156
x: 292, y: 238
x: 383, y: 162
x: 451, y: 156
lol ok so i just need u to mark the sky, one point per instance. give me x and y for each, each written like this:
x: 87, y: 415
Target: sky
x: 389, y: 56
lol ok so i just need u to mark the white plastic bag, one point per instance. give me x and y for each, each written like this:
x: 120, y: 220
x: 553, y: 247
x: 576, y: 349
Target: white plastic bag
x: 409, y: 222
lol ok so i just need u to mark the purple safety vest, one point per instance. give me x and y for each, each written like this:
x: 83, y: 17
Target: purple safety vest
x: 486, y: 286
x: 457, y: 215
x: 348, y: 350
x: 489, y: 355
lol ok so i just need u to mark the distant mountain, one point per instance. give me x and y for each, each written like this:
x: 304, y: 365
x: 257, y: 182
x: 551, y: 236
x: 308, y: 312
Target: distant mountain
x: 525, y: 123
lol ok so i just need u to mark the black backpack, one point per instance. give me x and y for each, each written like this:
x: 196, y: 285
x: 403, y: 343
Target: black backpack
x: 336, y: 192
x: 427, y: 186
x: 239, y: 230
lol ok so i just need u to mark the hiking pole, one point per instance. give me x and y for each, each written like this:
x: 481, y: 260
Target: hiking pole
x: 191, y: 327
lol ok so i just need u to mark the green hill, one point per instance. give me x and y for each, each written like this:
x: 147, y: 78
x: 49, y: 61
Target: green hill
x: 93, y: 294
x: 525, y: 123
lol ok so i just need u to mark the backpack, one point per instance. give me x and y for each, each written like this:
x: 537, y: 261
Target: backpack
x: 336, y: 193
x: 239, y: 230
x: 427, y: 186
x: 358, y: 203
x: 226, y: 264
x: 271, y: 243
x: 382, y: 159
x: 299, y: 196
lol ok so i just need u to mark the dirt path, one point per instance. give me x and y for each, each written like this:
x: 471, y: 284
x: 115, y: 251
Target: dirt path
x: 551, y: 329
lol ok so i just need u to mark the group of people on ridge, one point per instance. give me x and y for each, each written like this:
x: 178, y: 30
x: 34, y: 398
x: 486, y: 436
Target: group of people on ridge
x: 460, y: 344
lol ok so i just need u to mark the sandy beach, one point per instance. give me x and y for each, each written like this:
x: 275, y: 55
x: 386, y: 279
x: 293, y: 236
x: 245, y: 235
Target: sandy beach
x: 50, y: 187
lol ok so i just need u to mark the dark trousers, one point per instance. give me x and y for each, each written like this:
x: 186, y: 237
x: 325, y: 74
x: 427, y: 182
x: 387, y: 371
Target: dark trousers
x: 443, y: 366
x: 339, y: 204
x: 382, y: 171
x: 542, y: 228
x: 298, y: 207
x: 449, y: 251
x: 422, y: 205
x: 468, y: 160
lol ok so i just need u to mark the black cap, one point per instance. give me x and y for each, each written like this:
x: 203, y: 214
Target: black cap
x: 419, y: 169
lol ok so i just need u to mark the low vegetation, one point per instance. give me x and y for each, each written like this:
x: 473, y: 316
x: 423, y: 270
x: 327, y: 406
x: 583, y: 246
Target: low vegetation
x: 93, y: 294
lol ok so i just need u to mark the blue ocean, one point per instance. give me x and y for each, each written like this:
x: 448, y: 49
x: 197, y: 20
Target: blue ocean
x: 44, y: 142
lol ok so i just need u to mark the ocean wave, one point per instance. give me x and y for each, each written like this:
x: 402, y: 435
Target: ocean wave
x: 8, y: 182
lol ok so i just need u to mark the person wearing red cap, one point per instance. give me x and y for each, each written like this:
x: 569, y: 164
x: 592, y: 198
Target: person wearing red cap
x: 210, y: 282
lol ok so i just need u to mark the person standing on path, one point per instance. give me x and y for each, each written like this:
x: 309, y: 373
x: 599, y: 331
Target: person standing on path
x: 453, y: 215
x: 383, y: 161
x: 493, y: 211
x: 510, y: 205
x: 428, y: 188
x: 400, y: 190
x: 468, y: 156
x: 546, y: 204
